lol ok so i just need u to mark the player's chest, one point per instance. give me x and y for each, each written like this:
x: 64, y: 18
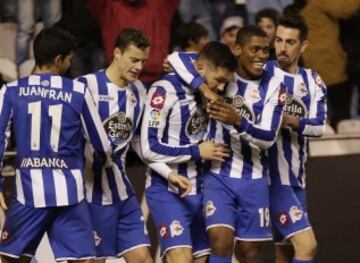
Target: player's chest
x: 298, y: 99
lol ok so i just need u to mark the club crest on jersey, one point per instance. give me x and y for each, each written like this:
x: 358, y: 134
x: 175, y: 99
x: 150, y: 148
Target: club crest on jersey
x: 303, y: 91
x: 197, y: 124
x: 295, y: 213
x: 132, y: 98
x: 176, y: 229
x: 241, y: 107
x: 158, y: 100
x: 118, y: 127
x: 294, y: 107
x: 255, y: 95
x: 209, y: 208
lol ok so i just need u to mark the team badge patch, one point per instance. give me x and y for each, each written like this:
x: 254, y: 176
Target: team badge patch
x: 176, y: 229
x: 158, y: 100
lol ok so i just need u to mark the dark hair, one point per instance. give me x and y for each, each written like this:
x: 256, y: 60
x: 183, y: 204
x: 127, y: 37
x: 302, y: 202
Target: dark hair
x: 50, y: 43
x: 191, y: 32
x: 296, y: 22
x: 131, y: 36
x: 247, y: 32
x: 270, y: 13
x: 219, y: 55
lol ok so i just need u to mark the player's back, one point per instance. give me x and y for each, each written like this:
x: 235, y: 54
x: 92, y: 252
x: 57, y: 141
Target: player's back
x: 47, y: 119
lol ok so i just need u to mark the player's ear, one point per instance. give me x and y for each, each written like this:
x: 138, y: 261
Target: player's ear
x: 237, y: 50
x: 304, y: 45
x: 117, y: 53
x: 200, y: 67
x: 58, y: 61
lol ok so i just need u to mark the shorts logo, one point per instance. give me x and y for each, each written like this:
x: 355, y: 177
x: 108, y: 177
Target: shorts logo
x: 176, y: 229
x: 158, y: 100
x: 209, y: 208
x: 295, y: 213
x: 5, y: 236
x: 283, y: 219
x: 164, y: 233
x: 97, y: 238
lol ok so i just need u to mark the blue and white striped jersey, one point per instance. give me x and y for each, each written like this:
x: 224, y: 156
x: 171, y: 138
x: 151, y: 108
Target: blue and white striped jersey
x: 51, y: 115
x: 120, y: 110
x: 260, y: 103
x: 173, y: 125
x: 307, y: 100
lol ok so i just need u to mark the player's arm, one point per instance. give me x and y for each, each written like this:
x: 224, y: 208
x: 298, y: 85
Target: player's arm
x: 93, y: 127
x: 262, y: 133
x: 5, y: 123
x: 314, y: 124
x: 163, y: 169
x: 154, y: 149
x: 157, y: 108
x: 182, y: 64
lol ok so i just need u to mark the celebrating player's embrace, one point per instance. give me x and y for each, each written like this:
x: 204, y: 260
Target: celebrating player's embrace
x: 212, y: 133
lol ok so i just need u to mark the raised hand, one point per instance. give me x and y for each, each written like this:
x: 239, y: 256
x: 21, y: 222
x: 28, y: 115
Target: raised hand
x: 223, y: 112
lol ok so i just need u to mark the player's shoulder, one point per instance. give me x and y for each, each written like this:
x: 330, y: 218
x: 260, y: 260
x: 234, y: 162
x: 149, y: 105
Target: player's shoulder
x: 170, y: 83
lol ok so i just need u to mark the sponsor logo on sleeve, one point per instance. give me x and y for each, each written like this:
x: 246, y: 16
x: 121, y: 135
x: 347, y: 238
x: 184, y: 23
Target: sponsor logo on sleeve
x: 158, y: 100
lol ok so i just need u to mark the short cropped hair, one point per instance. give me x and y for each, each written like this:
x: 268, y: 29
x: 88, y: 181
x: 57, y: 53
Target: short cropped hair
x: 270, y: 13
x: 131, y: 36
x: 297, y: 22
x: 50, y: 43
x: 219, y: 55
x: 248, y: 32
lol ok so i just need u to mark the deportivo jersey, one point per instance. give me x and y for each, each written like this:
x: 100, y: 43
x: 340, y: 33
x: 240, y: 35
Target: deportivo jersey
x: 50, y: 115
x: 173, y: 125
x: 260, y: 103
x: 306, y: 100
x: 120, y: 110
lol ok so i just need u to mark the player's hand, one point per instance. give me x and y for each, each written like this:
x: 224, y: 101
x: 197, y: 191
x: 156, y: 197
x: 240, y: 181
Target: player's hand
x: 167, y: 67
x: 223, y: 112
x: 2, y: 201
x: 182, y: 182
x: 209, y: 94
x: 210, y: 150
x: 290, y: 121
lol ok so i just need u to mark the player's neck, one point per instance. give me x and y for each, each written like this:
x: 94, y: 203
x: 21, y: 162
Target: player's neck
x: 292, y: 69
x: 45, y: 70
x: 113, y: 75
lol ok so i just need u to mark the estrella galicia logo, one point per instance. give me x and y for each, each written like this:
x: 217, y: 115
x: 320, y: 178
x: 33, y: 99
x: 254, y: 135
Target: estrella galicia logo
x: 118, y: 128
x: 294, y: 107
x: 241, y: 107
x: 197, y: 123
